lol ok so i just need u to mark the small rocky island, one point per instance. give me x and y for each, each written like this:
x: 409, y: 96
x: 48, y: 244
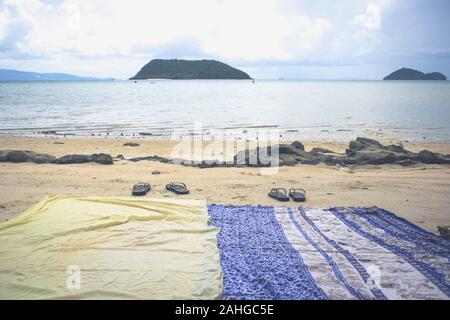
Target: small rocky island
x: 411, y: 74
x: 177, y: 69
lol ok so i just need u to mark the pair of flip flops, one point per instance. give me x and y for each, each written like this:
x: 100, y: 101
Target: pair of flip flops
x: 142, y: 188
x: 280, y: 194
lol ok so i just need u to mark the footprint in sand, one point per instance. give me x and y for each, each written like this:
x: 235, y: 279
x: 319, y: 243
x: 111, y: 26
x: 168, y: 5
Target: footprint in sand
x: 358, y: 185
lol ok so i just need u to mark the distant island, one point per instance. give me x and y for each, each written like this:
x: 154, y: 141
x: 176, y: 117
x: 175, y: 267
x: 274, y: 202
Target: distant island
x: 411, y: 74
x: 15, y: 75
x: 177, y: 69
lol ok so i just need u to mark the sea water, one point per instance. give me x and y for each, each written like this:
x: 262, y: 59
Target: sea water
x: 305, y: 110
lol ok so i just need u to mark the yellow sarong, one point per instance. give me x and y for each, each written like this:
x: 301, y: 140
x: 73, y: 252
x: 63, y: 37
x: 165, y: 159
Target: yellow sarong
x: 75, y: 247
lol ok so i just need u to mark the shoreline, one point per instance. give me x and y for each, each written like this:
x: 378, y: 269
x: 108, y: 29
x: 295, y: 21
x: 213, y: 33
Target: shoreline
x: 387, y: 135
x: 418, y: 193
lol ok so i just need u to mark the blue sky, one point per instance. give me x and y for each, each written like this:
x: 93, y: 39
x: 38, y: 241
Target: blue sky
x: 291, y: 39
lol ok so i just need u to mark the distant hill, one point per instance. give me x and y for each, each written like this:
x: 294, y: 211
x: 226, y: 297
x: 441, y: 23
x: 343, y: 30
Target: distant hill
x: 188, y: 69
x: 14, y: 75
x: 411, y: 74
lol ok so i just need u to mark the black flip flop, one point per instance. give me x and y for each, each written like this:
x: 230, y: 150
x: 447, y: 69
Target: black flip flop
x: 177, y: 187
x: 141, y: 189
x: 277, y: 194
x: 297, y: 196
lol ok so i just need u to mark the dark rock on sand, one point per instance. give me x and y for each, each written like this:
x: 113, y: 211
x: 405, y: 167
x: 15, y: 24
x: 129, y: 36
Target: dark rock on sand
x: 362, y: 143
x: 290, y: 149
x: 253, y: 158
x: 362, y: 151
x: 368, y: 151
x: 289, y: 160
x: 397, y: 148
x: 19, y: 156
x: 101, y: 158
x: 131, y: 144
x: 298, y: 145
x: 150, y: 158
x: 406, y: 162
x: 73, y: 159
x: 319, y: 150
x: 375, y: 157
x: 429, y: 157
x: 289, y: 154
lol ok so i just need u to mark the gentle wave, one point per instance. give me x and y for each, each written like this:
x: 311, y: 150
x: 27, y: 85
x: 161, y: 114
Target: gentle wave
x: 316, y: 110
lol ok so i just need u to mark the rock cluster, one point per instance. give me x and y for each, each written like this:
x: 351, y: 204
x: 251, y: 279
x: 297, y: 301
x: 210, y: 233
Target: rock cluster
x: 362, y: 151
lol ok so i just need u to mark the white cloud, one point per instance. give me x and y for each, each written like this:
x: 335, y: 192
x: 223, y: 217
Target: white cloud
x: 249, y: 30
x: 371, y: 19
x: 115, y: 37
x: 15, y: 24
x: 311, y: 30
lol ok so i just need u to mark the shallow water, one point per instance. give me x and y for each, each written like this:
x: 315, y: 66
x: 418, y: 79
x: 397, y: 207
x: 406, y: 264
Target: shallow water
x: 308, y: 110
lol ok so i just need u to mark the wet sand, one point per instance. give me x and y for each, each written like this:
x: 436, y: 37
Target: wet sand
x: 418, y: 193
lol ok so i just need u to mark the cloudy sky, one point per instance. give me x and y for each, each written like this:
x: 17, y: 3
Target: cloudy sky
x: 291, y: 39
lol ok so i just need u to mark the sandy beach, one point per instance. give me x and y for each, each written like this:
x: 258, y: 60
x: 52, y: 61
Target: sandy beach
x: 418, y: 193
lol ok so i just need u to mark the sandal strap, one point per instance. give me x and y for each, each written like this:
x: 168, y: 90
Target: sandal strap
x: 297, y: 189
x: 141, y: 184
x: 277, y: 189
x: 177, y: 184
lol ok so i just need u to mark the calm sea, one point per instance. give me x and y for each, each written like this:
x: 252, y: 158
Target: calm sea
x: 308, y: 110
